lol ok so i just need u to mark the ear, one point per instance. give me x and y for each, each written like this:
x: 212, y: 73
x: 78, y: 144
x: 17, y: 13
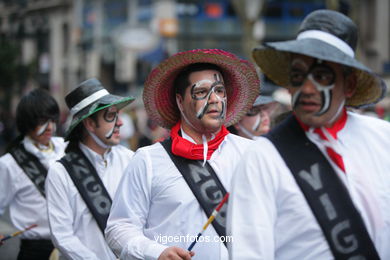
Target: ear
x: 89, y: 124
x: 350, y: 85
x: 179, y: 102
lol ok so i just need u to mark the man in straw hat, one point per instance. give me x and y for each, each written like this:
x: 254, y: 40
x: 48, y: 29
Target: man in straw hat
x: 172, y: 187
x: 23, y: 170
x: 80, y: 186
x: 318, y: 186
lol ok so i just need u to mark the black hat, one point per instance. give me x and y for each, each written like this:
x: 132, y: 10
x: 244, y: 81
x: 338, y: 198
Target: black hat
x: 326, y: 35
x: 88, y: 98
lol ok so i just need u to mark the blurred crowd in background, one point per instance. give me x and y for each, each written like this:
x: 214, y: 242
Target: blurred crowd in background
x: 57, y: 44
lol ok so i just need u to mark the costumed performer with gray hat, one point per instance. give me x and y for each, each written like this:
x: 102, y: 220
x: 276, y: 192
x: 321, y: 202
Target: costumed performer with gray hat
x: 171, y: 188
x: 318, y: 185
x: 80, y: 185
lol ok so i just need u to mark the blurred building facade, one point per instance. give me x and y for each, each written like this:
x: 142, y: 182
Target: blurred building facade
x: 58, y: 43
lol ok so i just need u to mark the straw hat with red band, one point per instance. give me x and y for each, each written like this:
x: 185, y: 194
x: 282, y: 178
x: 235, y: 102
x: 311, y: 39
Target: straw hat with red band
x: 326, y: 35
x: 240, y: 77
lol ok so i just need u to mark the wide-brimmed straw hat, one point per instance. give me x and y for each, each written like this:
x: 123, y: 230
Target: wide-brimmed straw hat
x: 88, y: 98
x: 240, y: 77
x: 326, y: 35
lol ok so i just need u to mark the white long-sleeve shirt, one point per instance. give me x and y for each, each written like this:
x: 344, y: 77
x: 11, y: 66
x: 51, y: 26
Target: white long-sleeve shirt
x: 74, y: 230
x: 269, y: 217
x: 26, y: 204
x: 154, y: 207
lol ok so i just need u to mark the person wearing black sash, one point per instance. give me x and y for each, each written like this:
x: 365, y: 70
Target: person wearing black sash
x: 81, y: 185
x: 318, y: 185
x: 172, y: 187
x: 23, y: 171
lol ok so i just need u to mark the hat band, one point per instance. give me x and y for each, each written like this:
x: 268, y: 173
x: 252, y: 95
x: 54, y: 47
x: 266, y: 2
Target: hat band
x: 328, y: 38
x: 88, y: 100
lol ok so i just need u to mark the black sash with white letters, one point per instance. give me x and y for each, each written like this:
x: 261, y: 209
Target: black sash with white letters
x: 204, y: 184
x: 89, y: 185
x: 31, y: 166
x: 325, y: 193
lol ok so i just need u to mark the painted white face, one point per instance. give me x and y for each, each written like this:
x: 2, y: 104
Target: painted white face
x: 256, y: 122
x: 320, y: 75
x: 43, y: 132
x: 106, y: 132
x: 203, y: 107
x: 319, y: 90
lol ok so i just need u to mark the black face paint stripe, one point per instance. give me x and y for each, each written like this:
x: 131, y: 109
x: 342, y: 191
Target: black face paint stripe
x: 297, y: 100
x: 212, y: 87
x: 109, y: 135
x: 326, y: 97
x: 203, y: 111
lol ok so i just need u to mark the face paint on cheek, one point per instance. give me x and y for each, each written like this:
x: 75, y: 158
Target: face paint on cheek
x: 223, y: 109
x: 326, y: 96
x: 202, y: 110
x: 257, y: 123
x: 295, y: 98
x: 110, y: 133
x: 43, y: 128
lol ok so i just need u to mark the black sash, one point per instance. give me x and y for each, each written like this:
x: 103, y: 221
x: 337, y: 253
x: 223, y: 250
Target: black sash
x: 205, y: 185
x: 89, y: 185
x: 325, y: 193
x: 31, y: 166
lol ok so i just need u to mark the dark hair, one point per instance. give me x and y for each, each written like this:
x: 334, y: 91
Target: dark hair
x: 181, y: 81
x: 35, y: 108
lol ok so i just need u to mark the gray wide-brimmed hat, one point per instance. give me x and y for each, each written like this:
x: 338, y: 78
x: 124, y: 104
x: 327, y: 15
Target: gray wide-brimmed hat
x: 88, y: 98
x: 263, y: 100
x: 326, y: 35
x: 267, y: 90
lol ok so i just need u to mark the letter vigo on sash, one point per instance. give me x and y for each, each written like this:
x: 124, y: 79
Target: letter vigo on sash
x: 326, y: 195
x: 89, y: 185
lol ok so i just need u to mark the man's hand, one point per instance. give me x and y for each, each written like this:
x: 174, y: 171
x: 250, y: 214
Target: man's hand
x: 176, y: 253
x: 1, y: 243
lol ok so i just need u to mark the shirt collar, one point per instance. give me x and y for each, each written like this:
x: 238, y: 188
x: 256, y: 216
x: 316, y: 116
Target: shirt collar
x: 189, y: 138
x: 29, y: 145
x: 333, y: 130
x: 95, y: 158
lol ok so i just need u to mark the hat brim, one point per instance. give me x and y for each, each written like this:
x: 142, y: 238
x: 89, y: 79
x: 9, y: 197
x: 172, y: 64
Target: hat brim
x: 263, y: 100
x: 241, y: 82
x: 102, y: 103
x: 274, y: 59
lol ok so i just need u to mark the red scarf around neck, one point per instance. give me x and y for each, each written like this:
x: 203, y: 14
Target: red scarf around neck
x: 333, y: 131
x: 184, y: 148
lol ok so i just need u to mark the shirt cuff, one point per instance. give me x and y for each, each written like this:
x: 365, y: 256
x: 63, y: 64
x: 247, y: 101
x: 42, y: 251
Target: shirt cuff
x: 153, y: 251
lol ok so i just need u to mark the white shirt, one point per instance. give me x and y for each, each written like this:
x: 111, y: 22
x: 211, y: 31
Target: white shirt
x: 26, y: 204
x: 74, y: 230
x: 269, y: 217
x: 154, y: 201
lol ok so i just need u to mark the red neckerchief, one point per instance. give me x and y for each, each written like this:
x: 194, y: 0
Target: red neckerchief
x: 333, y: 131
x: 184, y: 148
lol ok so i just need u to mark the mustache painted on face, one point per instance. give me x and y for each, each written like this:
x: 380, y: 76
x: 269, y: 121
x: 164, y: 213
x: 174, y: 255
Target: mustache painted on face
x: 206, y: 108
x: 217, y: 87
x: 111, y: 132
x: 326, y: 100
